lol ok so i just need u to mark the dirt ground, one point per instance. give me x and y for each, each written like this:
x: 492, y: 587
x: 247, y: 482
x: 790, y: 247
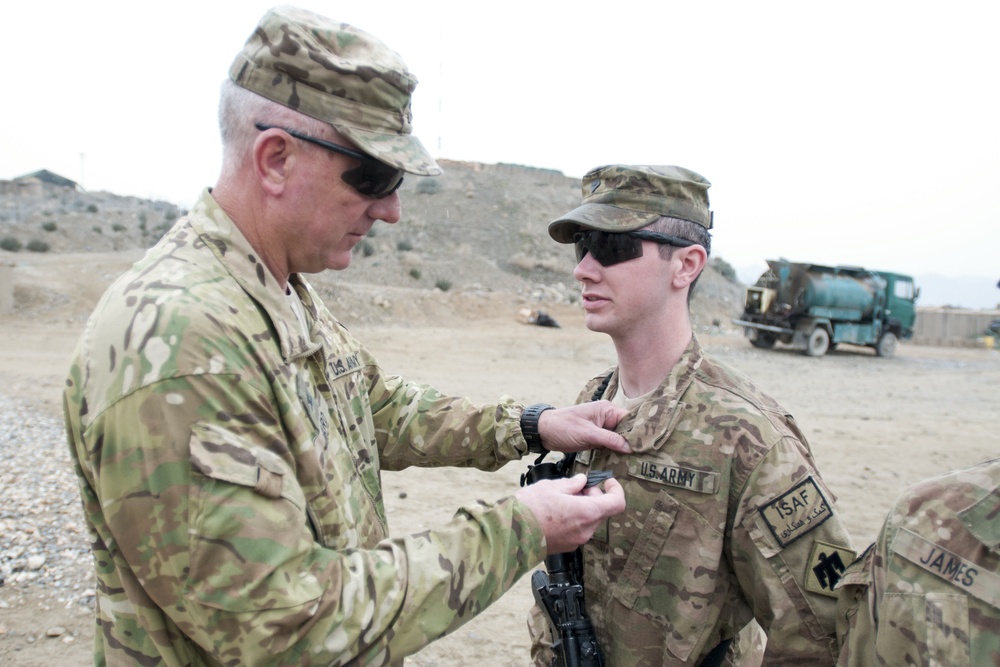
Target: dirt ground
x: 875, y: 425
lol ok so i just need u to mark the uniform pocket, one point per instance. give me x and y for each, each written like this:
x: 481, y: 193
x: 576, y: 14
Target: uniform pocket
x: 930, y: 629
x: 247, y: 527
x: 671, y: 573
x: 791, y: 564
x: 218, y: 454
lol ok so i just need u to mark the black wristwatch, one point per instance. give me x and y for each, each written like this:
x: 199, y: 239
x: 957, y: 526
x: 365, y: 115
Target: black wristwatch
x: 529, y: 426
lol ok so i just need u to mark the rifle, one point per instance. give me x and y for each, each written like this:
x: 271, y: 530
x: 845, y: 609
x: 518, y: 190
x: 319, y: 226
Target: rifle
x: 559, y: 591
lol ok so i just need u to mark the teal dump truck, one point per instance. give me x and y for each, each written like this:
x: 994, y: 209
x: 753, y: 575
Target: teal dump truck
x: 816, y: 307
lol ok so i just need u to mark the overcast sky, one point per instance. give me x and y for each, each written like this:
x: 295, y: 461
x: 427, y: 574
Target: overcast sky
x: 863, y: 133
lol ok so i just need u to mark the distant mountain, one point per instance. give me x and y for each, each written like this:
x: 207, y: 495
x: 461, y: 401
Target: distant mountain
x: 476, y: 229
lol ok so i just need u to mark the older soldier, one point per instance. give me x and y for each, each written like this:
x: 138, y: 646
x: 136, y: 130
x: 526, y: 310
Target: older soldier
x: 927, y: 592
x: 229, y: 433
x: 728, y: 520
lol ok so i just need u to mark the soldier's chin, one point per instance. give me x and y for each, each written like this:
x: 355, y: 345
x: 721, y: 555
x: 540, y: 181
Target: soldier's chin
x: 332, y: 262
x: 339, y: 261
x: 595, y: 323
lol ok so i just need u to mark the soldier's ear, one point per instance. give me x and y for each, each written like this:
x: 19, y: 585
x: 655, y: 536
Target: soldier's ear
x: 691, y: 261
x: 273, y: 158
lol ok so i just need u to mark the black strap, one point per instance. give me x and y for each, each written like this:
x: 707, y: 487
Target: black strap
x: 602, y: 388
x: 717, y: 654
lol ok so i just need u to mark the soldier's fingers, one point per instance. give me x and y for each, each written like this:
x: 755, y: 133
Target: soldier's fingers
x: 612, y: 501
x: 613, y: 441
x: 610, y: 414
x: 575, y: 484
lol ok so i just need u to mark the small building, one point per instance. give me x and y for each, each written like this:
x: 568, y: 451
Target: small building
x: 50, y: 177
x: 36, y: 182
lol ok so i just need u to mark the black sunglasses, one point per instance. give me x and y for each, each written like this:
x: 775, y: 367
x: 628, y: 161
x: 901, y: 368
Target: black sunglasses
x: 372, y: 179
x: 610, y: 248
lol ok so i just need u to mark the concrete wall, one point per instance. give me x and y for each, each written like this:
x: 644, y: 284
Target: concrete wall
x: 952, y: 327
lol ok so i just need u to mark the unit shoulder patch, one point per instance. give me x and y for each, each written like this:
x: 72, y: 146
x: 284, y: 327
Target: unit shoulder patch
x: 796, y: 512
x: 827, y: 563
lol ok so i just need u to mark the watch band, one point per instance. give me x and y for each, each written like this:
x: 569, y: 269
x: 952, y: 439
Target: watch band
x: 529, y: 426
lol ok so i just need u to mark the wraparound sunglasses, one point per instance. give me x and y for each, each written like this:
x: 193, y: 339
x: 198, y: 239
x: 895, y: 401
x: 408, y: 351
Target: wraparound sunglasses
x: 610, y: 248
x: 372, y: 178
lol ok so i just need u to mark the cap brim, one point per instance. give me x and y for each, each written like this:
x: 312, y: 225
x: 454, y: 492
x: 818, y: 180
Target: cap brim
x: 403, y: 151
x: 598, y: 216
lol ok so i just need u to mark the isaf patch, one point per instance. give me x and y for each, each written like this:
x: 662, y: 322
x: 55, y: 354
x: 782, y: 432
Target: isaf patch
x: 797, y: 512
x: 826, y: 566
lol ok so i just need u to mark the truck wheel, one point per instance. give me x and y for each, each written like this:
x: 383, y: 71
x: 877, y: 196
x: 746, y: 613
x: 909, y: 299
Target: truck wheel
x: 764, y: 340
x: 818, y: 343
x: 886, y: 345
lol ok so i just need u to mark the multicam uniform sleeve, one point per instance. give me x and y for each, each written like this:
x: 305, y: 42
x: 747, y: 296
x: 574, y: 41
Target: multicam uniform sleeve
x: 789, y: 547
x: 417, y: 425
x: 201, y: 509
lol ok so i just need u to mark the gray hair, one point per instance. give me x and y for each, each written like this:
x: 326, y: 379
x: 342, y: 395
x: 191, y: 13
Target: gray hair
x: 240, y: 108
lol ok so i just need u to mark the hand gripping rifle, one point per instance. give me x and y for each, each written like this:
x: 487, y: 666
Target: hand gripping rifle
x: 559, y: 591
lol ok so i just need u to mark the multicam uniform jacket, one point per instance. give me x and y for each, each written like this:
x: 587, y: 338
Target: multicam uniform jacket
x: 927, y: 592
x: 727, y: 520
x: 229, y: 466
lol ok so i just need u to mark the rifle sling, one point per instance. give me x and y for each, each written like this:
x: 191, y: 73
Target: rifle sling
x: 717, y: 654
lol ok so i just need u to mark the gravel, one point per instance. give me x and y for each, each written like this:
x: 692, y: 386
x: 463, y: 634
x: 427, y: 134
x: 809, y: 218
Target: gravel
x: 43, y: 537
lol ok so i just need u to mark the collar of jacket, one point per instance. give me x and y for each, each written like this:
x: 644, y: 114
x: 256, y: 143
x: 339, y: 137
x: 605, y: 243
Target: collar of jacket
x: 241, y: 260
x: 656, y: 418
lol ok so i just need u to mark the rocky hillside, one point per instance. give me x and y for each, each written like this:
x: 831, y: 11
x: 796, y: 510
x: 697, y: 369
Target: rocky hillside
x: 478, y: 230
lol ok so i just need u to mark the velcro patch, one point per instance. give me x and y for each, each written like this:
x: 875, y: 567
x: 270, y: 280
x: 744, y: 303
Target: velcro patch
x: 792, y: 515
x: 961, y: 572
x: 827, y: 563
x: 659, y: 472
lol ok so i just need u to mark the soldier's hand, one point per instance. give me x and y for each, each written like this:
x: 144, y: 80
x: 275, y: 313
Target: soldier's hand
x: 568, y: 514
x: 583, y: 426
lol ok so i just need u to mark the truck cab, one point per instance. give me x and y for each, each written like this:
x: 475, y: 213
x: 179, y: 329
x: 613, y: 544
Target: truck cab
x: 900, y: 304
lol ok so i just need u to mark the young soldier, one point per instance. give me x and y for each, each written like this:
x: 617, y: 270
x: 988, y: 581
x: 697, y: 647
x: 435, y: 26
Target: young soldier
x: 727, y: 520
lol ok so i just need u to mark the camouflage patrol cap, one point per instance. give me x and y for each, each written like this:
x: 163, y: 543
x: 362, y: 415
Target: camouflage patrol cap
x: 338, y: 74
x: 623, y: 198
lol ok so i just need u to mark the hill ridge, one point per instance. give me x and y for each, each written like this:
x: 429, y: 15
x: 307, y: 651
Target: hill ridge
x: 477, y: 229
